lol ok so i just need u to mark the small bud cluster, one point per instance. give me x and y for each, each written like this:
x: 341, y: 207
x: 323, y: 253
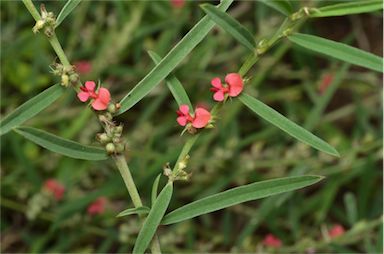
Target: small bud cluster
x: 67, y: 74
x: 179, y: 173
x: 111, y: 138
x: 47, y: 22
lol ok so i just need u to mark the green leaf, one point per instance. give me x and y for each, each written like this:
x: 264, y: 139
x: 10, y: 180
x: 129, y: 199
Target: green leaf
x: 230, y: 25
x: 173, y: 84
x: 153, y: 220
x: 155, y: 187
x: 135, y: 210
x: 30, y: 108
x: 170, y: 61
x: 62, y: 146
x: 285, y: 124
x: 239, y: 195
x: 339, y: 51
x: 282, y: 6
x: 67, y: 9
x: 354, y: 7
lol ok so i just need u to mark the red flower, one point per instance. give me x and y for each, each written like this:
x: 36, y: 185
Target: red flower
x: 199, y: 120
x: 336, y: 230
x: 83, y: 67
x: 55, y: 187
x: 272, y: 241
x: 233, y: 87
x: 101, y: 98
x: 177, y: 3
x: 325, y: 82
x: 97, y: 207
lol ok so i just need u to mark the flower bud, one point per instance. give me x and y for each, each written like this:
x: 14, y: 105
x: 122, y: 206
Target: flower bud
x: 110, y: 147
x: 118, y: 130
x: 64, y: 80
x: 116, y: 140
x: 111, y: 108
x: 74, y: 78
x: 103, y: 138
x: 39, y: 25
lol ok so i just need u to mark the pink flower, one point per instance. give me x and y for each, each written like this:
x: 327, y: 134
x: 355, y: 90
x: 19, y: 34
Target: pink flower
x: 101, y: 98
x: 177, y: 3
x: 272, y: 241
x: 336, y: 230
x: 54, y: 187
x: 83, y: 67
x: 97, y: 206
x: 325, y: 82
x: 199, y: 120
x: 233, y: 87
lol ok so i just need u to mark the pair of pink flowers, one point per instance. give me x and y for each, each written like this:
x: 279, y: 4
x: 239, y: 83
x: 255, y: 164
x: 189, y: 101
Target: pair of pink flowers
x: 101, y: 98
x: 201, y: 118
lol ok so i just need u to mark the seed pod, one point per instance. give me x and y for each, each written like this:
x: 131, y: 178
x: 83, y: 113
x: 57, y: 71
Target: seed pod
x: 111, y: 108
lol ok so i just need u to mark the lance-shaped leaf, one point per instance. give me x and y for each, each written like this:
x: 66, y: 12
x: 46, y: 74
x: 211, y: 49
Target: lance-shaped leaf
x: 135, y: 210
x: 173, y: 84
x: 67, y: 9
x: 353, y: 7
x: 286, y: 125
x: 31, y: 108
x: 153, y: 220
x: 60, y: 145
x: 230, y: 25
x: 239, y: 195
x: 339, y: 51
x: 283, y: 6
x: 170, y: 61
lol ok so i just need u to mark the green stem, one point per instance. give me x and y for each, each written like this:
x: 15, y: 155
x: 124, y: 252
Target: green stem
x: 32, y: 9
x: 186, y: 148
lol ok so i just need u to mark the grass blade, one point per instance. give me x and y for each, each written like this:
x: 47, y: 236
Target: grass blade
x: 230, y: 25
x: 339, y: 51
x: 31, y: 108
x: 354, y: 7
x: 174, y: 85
x: 153, y: 220
x: 62, y: 146
x: 282, y: 6
x: 135, y: 210
x: 286, y: 125
x: 239, y: 195
x: 170, y: 61
x: 67, y: 9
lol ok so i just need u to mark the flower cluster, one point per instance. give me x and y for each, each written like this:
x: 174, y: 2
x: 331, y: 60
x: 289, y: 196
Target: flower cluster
x: 97, y: 206
x: 101, y: 98
x: 55, y: 188
x: 202, y: 118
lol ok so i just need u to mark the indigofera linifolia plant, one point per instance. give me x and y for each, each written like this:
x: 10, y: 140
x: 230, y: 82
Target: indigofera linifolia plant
x: 194, y: 121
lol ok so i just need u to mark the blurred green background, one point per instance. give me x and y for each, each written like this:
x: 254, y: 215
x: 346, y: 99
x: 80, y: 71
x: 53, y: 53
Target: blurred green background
x: 113, y: 37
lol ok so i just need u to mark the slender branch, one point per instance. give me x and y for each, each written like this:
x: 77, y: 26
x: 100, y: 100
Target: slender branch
x: 32, y: 9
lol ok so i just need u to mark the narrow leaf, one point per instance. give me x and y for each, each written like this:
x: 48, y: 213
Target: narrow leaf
x: 170, y: 61
x: 230, y: 25
x: 135, y: 210
x: 173, y: 84
x: 155, y: 187
x: 239, y: 195
x: 339, y: 51
x: 282, y: 6
x: 286, y: 125
x: 62, y: 146
x: 153, y: 220
x: 31, y: 108
x: 67, y: 9
x: 354, y: 7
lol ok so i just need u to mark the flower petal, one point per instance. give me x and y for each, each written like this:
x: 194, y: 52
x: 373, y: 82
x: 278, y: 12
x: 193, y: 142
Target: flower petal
x: 216, y: 82
x: 202, y: 117
x: 182, y: 120
x: 235, y: 83
x: 90, y: 85
x: 83, y: 96
x: 104, y: 95
x: 98, y: 104
x: 218, y: 96
x: 184, y: 109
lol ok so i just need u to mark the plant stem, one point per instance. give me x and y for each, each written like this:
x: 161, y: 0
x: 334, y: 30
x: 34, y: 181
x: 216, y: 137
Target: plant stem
x: 32, y: 9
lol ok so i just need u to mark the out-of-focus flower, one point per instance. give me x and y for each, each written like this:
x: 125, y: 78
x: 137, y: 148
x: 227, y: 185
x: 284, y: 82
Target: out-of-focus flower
x: 272, y: 241
x: 54, y: 187
x: 199, y: 120
x: 97, y: 206
x: 177, y: 3
x: 83, y: 67
x: 233, y: 87
x: 336, y: 230
x: 325, y: 82
x: 101, y: 98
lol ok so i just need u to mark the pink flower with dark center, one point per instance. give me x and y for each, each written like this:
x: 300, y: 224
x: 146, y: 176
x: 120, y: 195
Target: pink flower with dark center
x: 101, y: 98
x: 54, y: 187
x: 97, y: 207
x: 199, y: 120
x: 272, y: 241
x: 83, y: 67
x: 336, y: 230
x: 233, y: 87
